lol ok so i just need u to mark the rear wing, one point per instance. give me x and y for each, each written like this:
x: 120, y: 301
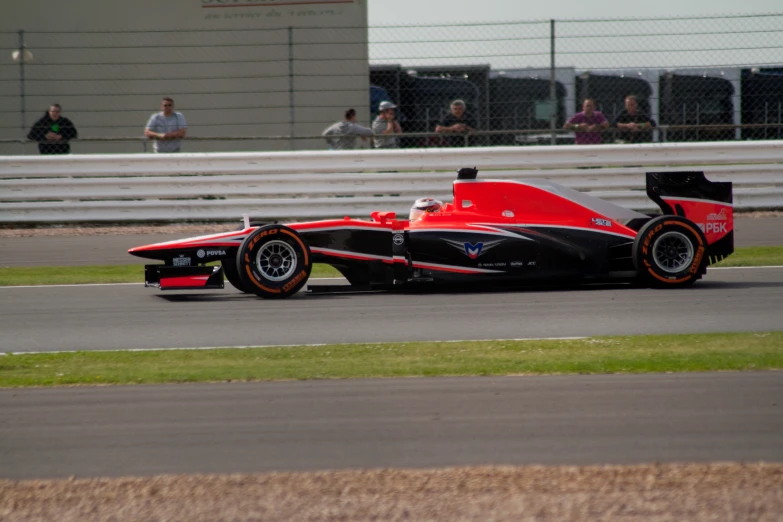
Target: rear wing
x: 709, y: 204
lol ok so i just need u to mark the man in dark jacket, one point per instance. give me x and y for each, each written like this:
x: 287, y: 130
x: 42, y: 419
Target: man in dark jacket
x: 53, y: 132
x: 636, y: 125
x: 456, y: 125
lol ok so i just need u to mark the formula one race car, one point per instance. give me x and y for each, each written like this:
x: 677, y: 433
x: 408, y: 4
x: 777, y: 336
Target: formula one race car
x: 493, y: 232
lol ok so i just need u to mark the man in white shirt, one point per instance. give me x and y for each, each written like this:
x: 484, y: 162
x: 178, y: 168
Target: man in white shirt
x: 167, y: 128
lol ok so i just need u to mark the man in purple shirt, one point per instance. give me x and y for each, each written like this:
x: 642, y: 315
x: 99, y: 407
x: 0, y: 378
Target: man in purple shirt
x: 588, y: 124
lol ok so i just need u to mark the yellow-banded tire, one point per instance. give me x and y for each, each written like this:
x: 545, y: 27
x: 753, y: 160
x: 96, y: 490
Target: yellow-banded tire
x: 274, y: 262
x: 670, y: 252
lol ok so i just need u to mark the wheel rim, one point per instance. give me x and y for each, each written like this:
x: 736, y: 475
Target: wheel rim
x: 276, y: 260
x: 673, y: 252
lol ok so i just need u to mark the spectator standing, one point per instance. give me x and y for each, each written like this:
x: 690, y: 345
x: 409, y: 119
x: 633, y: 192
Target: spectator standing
x: 342, y: 135
x: 166, y: 127
x: 587, y: 124
x: 53, y: 132
x: 456, y: 122
x: 637, y: 126
x: 386, y: 124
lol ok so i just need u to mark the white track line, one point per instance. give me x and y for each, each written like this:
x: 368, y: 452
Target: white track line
x: 130, y: 284
x: 294, y: 345
x: 741, y: 267
x: 336, y: 278
x: 73, y: 285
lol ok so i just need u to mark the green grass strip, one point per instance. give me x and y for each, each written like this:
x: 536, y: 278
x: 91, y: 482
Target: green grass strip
x: 755, y: 256
x: 618, y: 354
x: 65, y: 275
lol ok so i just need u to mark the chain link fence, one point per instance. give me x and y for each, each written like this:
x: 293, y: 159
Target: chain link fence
x: 693, y: 79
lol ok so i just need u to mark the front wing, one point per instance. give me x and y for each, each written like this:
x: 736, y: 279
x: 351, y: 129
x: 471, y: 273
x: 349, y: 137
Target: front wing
x: 168, y: 277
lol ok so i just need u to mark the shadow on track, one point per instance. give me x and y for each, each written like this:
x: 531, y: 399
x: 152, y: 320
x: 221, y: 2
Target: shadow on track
x: 345, y: 291
x: 203, y: 298
x: 739, y: 285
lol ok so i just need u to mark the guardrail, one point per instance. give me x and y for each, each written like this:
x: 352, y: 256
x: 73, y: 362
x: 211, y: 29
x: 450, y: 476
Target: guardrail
x: 315, y: 184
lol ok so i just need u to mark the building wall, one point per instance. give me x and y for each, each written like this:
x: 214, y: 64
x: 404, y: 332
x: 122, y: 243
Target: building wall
x: 234, y: 68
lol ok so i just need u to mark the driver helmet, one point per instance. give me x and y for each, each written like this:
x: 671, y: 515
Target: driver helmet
x: 424, y: 205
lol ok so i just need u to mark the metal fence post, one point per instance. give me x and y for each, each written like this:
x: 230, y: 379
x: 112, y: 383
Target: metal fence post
x: 22, y: 53
x: 552, y: 83
x: 291, y: 85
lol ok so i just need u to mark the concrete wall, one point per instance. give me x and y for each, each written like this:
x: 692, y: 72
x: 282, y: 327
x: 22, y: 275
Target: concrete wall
x: 230, y: 65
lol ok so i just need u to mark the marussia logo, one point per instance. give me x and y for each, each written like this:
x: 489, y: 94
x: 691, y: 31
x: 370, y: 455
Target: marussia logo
x: 473, y: 250
x: 714, y: 228
x: 719, y: 216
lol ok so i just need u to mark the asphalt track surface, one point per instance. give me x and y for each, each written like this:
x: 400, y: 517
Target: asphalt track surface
x: 257, y: 427
x: 113, y: 250
x: 131, y: 316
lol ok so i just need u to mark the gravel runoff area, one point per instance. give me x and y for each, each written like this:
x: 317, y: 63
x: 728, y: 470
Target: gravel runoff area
x: 649, y: 493
x: 120, y: 230
x: 191, y: 228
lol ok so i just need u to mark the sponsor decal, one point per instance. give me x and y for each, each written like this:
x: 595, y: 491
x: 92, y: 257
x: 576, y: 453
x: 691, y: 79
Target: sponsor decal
x: 508, y: 213
x: 257, y: 238
x: 492, y: 264
x: 207, y: 4
x: 216, y: 252
x: 718, y: 216
x: 517, y: 263
x: 181, y: 261
x: 602, y: 222
x: 292, y: 283
x: 398, y: 239
x: 201, y: 254
x: 646, y: 243
x: 474, y: 250
x: 697, y: 260
x: 713, y: 227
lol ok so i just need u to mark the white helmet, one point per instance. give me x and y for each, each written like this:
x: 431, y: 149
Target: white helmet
x: 424, y: 205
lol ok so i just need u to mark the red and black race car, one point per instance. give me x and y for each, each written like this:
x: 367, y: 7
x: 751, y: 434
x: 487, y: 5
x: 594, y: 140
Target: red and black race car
x: 493, y: 232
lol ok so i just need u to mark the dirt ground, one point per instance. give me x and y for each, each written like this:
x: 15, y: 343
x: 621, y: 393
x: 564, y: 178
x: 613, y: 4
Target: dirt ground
x: 203, y: 228
x: 649, y: 493
x: 194, y: 228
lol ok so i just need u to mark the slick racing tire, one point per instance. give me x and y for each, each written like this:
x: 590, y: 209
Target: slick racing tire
x: 274, y: 262
x: 232, y: 275
x: 670, y: 252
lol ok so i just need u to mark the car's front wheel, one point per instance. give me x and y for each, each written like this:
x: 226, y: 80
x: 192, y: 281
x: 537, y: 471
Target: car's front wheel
x: 670, y: 251
x: 232, y: 275
x: 273, y: 262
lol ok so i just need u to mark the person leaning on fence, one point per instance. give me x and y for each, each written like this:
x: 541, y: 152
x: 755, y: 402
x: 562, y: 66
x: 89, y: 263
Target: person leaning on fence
x: 166, y: 127
x: 456, y: 122
x: 636, y: 126
x: 53, y: 132
x: 385, y: 124
x: 342, y: 135
x: 588, y: 124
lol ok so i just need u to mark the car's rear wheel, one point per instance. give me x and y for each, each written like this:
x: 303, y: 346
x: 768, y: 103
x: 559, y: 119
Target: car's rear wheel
x: 273, y: 262
x: 670, y: 251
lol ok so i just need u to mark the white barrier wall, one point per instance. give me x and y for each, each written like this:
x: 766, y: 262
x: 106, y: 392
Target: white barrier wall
x: 311, y: 184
